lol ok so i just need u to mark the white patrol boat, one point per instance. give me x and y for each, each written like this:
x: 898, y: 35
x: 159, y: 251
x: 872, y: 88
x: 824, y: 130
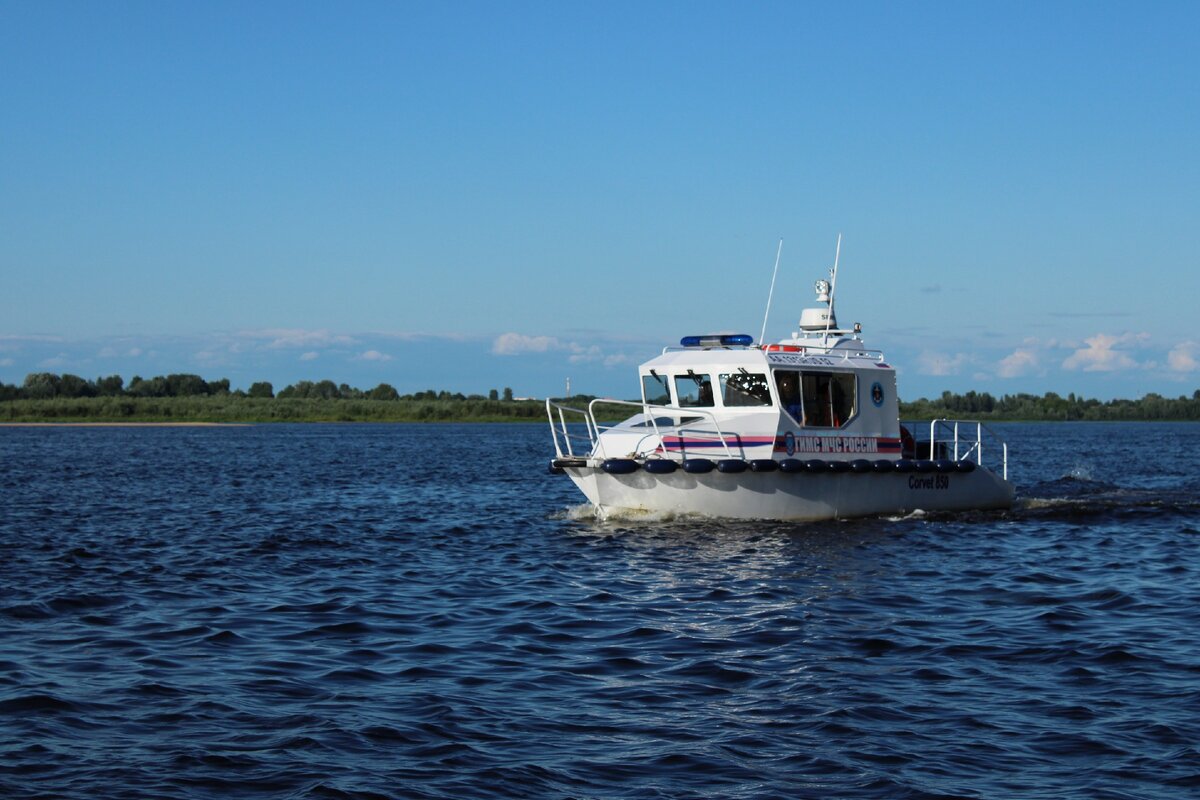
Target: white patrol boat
x: 803, y: 429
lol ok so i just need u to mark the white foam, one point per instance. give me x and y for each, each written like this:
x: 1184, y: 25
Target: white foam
x: 587, y: 512
x: 916, y: 513
x: 583, y: 511
x: 1033, y: 503
x: 1080, y: 472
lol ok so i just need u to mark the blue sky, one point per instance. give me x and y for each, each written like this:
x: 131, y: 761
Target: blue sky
x: 470, y: 195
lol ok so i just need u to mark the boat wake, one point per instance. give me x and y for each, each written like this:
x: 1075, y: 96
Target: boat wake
x: 1077, y: 497
x: 915, y: 514
x: 586, y: 512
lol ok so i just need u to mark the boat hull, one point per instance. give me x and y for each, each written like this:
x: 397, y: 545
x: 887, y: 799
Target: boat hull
x: 781, y: 496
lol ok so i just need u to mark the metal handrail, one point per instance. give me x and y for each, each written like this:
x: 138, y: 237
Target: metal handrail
x: 594, y: 429
x: 676, y: 348
x: 817, y: 349
x: 954, y: 433
x: 567, y: 436
x: 649, y: 409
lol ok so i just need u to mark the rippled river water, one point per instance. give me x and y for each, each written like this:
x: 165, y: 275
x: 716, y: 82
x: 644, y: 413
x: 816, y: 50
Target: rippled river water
x: 420, y: 611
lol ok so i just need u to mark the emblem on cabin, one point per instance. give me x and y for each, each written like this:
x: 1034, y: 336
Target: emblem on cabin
x: 877, y: 394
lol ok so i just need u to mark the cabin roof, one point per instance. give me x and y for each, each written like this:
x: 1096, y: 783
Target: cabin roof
x: 723, y: 358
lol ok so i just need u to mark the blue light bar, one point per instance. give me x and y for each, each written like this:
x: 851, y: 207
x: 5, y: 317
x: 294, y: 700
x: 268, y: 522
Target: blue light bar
x: 726, y: 340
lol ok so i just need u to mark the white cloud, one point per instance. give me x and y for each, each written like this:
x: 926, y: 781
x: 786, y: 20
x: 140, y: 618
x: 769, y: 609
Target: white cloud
x: 311, y: 355
x: 6, y: 362
x: 14, y: 341
x: 421, y: 336
x: 1182, y: 357
x: 1021, y: 361
x: 582, y: 355
x: 56, y: 361
x: 933, y: 363
x: 1101, y: 354
x: 119, y: 347
x: 373, y: 355
x: 511, y: 344
x: 208, y: 358
x: 297, y: 337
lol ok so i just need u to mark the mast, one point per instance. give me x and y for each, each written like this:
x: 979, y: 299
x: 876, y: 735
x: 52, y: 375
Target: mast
x: 833, y: 288
x: 771, y: 293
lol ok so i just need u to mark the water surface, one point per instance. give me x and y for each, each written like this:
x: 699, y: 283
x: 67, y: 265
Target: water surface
x: 420, y: 611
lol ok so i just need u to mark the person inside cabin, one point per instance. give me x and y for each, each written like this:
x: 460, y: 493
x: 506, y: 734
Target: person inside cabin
x: 694, y: 391
x: 816, y: 400
x: 788, y: 384
x: 837, y: 404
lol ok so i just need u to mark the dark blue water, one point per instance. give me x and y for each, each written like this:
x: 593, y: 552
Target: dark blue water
x: 420, y: 612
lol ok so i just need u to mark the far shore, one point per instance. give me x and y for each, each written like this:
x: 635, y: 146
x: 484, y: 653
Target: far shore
x: 124, y: 424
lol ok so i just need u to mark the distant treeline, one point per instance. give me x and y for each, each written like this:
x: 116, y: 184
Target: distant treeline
x: 45, y: 396
x: 47, y: 385
x: 1051, y: 406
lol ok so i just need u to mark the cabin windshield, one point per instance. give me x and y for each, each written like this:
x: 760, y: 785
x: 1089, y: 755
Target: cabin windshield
x: 655, y: 390
x: 694, y: 390
x: 745, y: 389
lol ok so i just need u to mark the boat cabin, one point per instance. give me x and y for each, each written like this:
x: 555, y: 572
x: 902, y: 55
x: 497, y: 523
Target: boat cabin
x: 838, y: 399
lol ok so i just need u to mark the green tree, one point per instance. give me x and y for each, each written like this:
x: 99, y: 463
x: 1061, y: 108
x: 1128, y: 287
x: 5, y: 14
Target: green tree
x: 508, y: 395
x: 299, y: 389
x: 384, y: 392
x: 262, y: 389
x: 155, y: 387
x: 186, y: 385
x: 112, y: 386
x: 75, y: 386
x: 326, y: 390
x: 493, y: 395
x: 40, y: 385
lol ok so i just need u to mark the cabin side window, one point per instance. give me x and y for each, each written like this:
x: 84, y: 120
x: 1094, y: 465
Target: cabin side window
x: 744, y: 389
x: 655, y: 390
x: 828, y: 398
x: 694, y: 390
x: 787, y: 386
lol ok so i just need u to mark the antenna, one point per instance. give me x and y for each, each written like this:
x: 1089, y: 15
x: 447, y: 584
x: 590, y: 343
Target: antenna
x: 771, y: 293
x: 833, y: 289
